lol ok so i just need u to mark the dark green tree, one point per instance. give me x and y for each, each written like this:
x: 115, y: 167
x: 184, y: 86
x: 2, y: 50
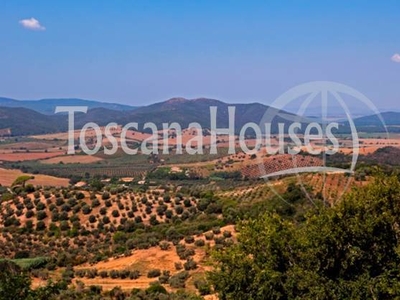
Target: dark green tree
x: 349, y: 251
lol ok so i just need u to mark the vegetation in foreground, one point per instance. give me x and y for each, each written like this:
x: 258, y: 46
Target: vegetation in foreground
x: 348, y: 251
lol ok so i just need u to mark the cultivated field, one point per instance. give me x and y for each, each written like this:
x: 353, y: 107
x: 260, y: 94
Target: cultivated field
x: 7, y: 177
x: 72, y: 159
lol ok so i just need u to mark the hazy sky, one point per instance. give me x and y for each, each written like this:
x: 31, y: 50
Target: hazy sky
x: 140, y: 52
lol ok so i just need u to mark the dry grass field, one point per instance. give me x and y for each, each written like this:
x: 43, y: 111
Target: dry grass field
x: 72, y: 159
x: 23, y: 156
x: 7, y: 177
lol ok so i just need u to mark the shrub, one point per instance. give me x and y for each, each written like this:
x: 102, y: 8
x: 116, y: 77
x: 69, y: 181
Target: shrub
x: 95, y: 203
x: 124, y: 274
x: 135, y: 274
x: 64, y: 225
x: 199, y: 243
x: 163, y: 279
x: 178, y: 280
x: 103, y: 274
x: 189, y: 239
x: 178, y: 265
x: 66, y: 207
x: 86, y: 209
x: 154, y: 273
x: 80, y: 196
x: 209, y: 236
x: 40, y: 206
x: 156, y: 289
x: 40, y: 215
x: 202, y: 286
x: 80, y: 273
x: 29, y: 214
x: 227, y: 234
x: 114, y: 274
x: 153, y: 220
x: 91, y: 273
x: 190, y: 264
x: 165, y: 246
x: 40, y: 226
x: 60, y: 201
x: 179, y: 209
x: 219, y: 240
x: 216, y: 230
x: 169, y: 214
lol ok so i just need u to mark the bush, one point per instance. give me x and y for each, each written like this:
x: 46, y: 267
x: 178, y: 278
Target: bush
x: 103, y: 274
x: 114, y: 274
x: 216, y: 230
x: 209, y: 236
x: 95, y: 203
x: 227, y: 234
x: 105, y: 196
x: 154, y: 273
x: 80, y: 273
x: 80, y: 196
x: 190, y: 264
x: 91, y: 273
x: 199, y: 243
x: 165, y: 246
x: 189, y: 239
x: 163, y: 279
x: 178, y: 266
x: 40, y: 226
x: 115, y: 213
x: 86, y: 209
x: 219, y: 240
x: 178, y: 280
x: 156, y: 289
x: 202, y: 286
x: 40, y: 215
x: 40, y: 206
x: 179, y: 209
x: 29, y: 214
x: 134, y: 274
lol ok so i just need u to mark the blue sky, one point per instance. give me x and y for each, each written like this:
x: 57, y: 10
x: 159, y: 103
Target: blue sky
x: 141, y: 52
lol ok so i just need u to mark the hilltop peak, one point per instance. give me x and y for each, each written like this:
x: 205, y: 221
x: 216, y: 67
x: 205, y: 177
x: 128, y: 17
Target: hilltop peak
x: 176, y: 100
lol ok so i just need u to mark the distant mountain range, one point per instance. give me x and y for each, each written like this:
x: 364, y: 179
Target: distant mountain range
x: 180, y: 110
x: 37, y: 117
x: 374, y: 123
x: 47, y: 106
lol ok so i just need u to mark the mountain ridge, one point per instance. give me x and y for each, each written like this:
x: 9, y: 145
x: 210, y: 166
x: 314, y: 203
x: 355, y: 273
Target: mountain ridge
x: 26, y: 121
x: 47, y: 106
